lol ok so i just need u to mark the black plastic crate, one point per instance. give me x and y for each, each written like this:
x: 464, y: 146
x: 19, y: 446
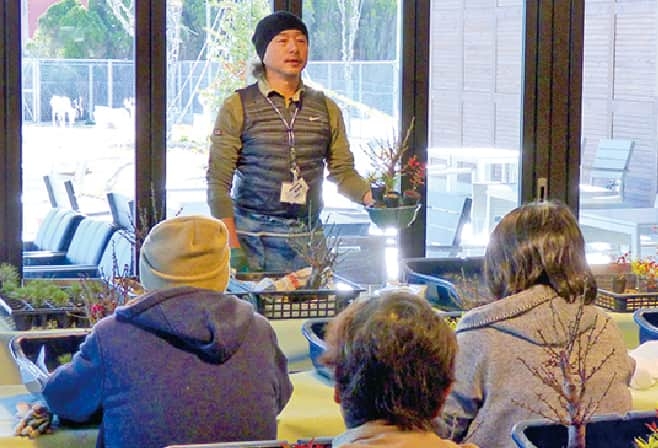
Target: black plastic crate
x: 626, y: 302
x: 21, y: 316
x: 295, y: 304
x: 57, y: 347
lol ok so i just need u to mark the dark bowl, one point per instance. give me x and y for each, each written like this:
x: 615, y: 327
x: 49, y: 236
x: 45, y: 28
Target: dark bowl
x: 26, y: 347
x: 314, y: 331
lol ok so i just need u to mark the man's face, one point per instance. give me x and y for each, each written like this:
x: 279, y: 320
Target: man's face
x: 287, y: 54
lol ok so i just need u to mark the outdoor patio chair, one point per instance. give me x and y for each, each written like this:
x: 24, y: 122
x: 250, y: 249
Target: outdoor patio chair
x: 122, y: 209
x: 607, y: 173
x: 56, y: 193
x: 92, y: 207
x: 446, y: 218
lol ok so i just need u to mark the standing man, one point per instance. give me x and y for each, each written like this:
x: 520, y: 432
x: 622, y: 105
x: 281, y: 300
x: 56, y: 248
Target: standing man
x: 271, y: 143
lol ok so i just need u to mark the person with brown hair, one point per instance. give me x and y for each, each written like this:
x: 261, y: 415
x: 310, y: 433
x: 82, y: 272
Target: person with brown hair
x: 393, y: 363
x: 538, y: 275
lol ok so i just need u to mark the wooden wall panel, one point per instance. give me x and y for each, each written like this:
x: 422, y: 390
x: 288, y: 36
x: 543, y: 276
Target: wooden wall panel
x: 478, y: 123
x: 446, y: 53
x: 597, y: 73
x: 635, y: 54
x: 509, y: 51
x: 479, y: 45
x: 507, y: 110
x: 445, y: 127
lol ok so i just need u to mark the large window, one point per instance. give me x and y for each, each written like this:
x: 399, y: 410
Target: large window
x: 209, y: 53
x: 474, y: 118
x: 355, y: 59
x: 78, y: 108
x: 619, y: 130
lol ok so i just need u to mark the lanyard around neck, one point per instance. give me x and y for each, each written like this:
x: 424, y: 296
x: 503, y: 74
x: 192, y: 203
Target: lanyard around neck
x: 290, y: 129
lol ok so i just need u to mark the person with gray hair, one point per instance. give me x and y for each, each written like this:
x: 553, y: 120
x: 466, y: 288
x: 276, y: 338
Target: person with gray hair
x: 393, y: 363
x: 185, y: 362
x: 538, y: 275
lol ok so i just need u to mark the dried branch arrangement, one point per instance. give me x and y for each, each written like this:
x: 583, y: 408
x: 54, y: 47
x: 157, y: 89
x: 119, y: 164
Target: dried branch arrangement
x: 385, y: 157
x: 566, y: 371
x: 471, y: 291
x: 321, y: 252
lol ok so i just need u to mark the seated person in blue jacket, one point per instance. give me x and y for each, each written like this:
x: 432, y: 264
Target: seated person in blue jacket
x: 393, y: 360
x: 184, y: 363
x: 537, y: 272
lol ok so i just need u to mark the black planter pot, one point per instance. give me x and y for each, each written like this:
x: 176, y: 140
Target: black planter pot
x: 21, y: 316
x: 377, y: 191
x: 606, y: 430
x: 392, y: 200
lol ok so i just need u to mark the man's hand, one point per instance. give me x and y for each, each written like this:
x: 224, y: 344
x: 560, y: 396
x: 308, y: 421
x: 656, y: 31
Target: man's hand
x: 239, y: 260
x: 367, y: 198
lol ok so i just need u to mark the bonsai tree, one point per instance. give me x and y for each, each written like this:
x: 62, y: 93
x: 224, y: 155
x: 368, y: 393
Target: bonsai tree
x: 574, y: 367
x: 321, y: 252
x: 386, y: 158
x: 36, y: 292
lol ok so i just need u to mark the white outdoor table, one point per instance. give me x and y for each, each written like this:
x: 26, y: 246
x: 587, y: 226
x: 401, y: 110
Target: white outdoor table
x: 633, y: 222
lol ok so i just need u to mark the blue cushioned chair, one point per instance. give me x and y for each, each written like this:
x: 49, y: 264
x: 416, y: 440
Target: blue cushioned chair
x: 119, y: 247
x: 53, y: 237
x: 89, y: 241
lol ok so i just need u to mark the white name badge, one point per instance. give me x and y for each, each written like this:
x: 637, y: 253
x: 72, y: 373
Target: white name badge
x: 294, y: 192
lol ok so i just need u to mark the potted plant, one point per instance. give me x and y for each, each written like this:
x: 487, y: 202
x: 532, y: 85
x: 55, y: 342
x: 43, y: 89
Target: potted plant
x: 646, y: 270
x: 415, y: 172
x: 606, y: 430
x: 38, y: 303
x: 386, y: 160
x: 621, y: 268
x: 377, y: 187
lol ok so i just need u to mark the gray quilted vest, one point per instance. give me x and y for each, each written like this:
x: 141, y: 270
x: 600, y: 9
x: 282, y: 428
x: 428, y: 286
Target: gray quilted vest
x: 264, y: 162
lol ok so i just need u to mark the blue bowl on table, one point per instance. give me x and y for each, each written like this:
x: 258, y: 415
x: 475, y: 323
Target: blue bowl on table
x: 314, y: 330
x: 647, y: 321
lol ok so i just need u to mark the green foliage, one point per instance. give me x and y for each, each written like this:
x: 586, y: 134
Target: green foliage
x: 376, y: 38
x: 35, y: 292
x: 193, y: 29
x: 63, y: 359
x: 9, y: 278
x: 231, y: 47
x: 651, y: 441
x: 38, y: 292
x: 69, y: 30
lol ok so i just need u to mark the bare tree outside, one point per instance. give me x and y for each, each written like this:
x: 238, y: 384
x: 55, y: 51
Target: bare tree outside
x: 350, y: 14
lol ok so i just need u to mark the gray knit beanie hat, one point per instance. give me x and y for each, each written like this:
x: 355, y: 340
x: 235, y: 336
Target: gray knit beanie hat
x: 272, y: 25
x: 186, y: 250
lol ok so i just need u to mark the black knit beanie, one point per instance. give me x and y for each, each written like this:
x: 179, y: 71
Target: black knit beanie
x: 272, y: 25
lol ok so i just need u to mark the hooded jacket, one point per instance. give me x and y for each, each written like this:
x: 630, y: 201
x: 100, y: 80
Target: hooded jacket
x: 494, y: 390
x: 181, y: 365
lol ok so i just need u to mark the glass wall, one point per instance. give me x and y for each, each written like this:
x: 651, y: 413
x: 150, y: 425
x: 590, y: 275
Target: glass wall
x: 619, y: 130
x: 209, y: 53
x: 78, y: 108
x: 474, y: 118
x: 354, y: 57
